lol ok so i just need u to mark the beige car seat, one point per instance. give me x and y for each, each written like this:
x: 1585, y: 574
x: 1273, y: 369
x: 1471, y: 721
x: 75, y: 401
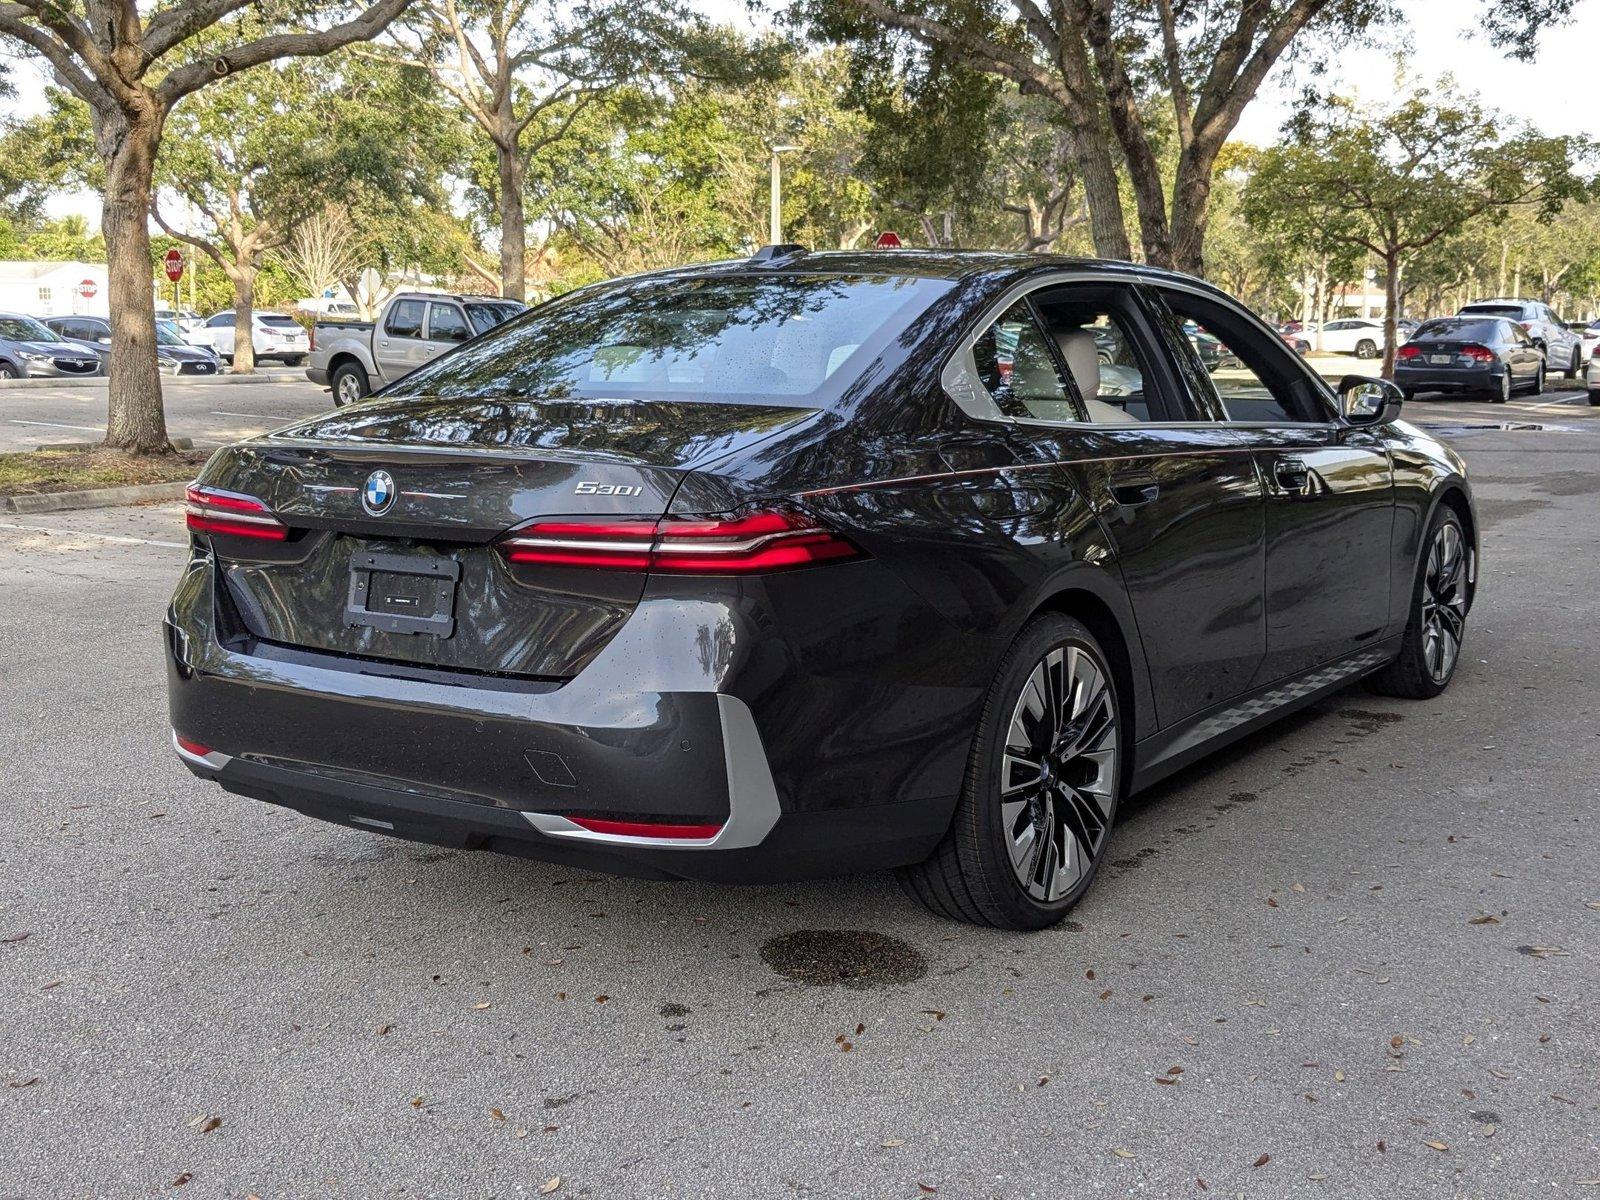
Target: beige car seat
x: 1083, y: 359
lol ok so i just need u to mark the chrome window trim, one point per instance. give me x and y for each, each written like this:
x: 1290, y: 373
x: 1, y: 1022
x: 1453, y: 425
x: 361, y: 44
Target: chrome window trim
x: 961, y: 382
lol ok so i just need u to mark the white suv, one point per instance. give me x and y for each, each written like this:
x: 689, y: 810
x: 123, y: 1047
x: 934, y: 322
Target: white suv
x: 1563, y: 351
x: 275, y: 336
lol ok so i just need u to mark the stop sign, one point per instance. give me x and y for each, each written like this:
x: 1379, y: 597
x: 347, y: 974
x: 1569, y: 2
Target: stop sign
x: 888, y: 240
x: 88, y: 289
x: 174, y: 262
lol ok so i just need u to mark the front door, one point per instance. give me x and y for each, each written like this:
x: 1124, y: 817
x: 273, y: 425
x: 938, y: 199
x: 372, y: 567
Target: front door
x: 1178, y: 498
x: 1329, y: 492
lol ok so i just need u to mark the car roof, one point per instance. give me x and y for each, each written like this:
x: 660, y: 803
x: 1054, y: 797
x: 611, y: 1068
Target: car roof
x: 1505, y: 303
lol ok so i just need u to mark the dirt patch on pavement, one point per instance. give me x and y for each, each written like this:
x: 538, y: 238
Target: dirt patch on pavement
x: 42, y: 471
x: 852, y: 958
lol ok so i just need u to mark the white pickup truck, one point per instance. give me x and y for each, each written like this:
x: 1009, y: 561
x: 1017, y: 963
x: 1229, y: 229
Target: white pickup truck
x: 354, y: 358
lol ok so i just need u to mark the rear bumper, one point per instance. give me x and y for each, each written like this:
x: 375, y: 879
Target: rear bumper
x: 486, y: 762
x: 1448, y: 379
x: 317, y: 375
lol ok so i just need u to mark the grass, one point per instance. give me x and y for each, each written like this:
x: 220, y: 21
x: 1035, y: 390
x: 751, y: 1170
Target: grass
x: 75, y: 470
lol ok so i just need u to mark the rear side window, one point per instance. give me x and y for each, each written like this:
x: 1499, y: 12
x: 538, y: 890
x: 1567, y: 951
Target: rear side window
x: 787, y: 339
x: 405, y: 319
x: 220, y: 321
x: 1018, y: 370
x: 485, y: 315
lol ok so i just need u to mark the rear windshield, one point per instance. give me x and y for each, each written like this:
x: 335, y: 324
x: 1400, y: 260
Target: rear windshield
x: 787, y: 339
x: 1514, y: 311
x: 1454, y: 328
x: 277, y: 319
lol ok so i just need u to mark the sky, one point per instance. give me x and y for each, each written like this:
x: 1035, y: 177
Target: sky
x: 1555, y: 93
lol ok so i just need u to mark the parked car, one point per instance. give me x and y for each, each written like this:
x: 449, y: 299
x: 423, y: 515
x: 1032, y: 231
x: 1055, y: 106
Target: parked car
x: 1353, y: 335
x: 185, y: 319
x: 1591, y: 360
x: 172, y: 330
x: 807, y: 564
x: 174, y: 356
x: 1562, y: 351
x: 1486, y: 355
x: 1295, y: 340
x: 274, y: 336
x: 30, y: 349
x: 355, y: 358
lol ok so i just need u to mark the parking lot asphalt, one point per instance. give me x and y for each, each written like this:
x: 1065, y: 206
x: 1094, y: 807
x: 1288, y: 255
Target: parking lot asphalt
x: 1357, y: 955
x: 211, y: 411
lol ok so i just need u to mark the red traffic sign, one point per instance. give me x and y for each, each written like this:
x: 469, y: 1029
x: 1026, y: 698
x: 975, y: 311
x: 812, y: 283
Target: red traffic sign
x: 888, y: 240
x: 88, y: 289
x: 174, y: 262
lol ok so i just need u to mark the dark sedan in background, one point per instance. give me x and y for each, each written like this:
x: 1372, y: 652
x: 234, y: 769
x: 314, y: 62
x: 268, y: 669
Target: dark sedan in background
x: 813, y: 563
x: 1489, y: 356
x: 174, y: 356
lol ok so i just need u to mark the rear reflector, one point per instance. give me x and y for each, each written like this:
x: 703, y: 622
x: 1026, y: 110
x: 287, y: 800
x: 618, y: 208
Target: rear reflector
x: 648, y: 829
x: 194, y: 748
x: 747, y: 544
x: 212, y: 511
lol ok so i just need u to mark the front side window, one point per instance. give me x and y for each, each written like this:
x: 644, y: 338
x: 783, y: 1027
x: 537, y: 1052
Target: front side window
x: 405, y: 319
x: 796, y: 339
x: 1018, y: 370
x: 26, y: 329
x: 446, y: 324
x: 1252, y: 374
x: 221, y: 321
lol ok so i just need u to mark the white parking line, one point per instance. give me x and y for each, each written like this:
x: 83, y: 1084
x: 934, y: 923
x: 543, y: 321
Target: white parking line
x: 59, y: 425
x: 104, y: 537
x: 217, y: 412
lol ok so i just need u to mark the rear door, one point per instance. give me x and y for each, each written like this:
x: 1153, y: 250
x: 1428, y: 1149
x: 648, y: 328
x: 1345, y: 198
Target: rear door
x: 397, y: 343
x: 1329, y: 492
x: 1178, y: 499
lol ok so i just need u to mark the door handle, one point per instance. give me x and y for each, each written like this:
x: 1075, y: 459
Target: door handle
x: 1132, y: 491
x: 1291, y: 474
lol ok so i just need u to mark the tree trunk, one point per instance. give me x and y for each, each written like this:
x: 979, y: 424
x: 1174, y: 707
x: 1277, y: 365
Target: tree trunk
x: 1107, y: 226
x: 135, y: 420
x: 1391, y: 309
x: 1191, y: 207
x: 243, y: 275
x: 513, y: 221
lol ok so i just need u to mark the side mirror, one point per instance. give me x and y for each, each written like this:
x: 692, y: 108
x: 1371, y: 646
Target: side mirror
x: 105, y: 341
x: 1366, y: 403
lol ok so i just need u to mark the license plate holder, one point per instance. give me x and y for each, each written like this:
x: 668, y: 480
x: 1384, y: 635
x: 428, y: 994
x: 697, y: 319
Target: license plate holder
x: 1441, y: 359
x: 403, y: 593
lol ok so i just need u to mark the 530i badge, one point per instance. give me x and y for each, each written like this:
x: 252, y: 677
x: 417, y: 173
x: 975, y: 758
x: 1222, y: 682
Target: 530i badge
x: 813, y: 563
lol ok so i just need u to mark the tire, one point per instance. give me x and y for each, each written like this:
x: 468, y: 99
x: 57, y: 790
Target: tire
x: 1430, y: 650
x: 349, y: 383
x: 1061, y: 815
x: 1366, y: 348
x: 1407, y: 395
x: 1574, y: 366
x: 1594, y: 399
x: 7, y: 371
x: 294, y: 360
x: 1537, y: 388
x: 1504, y: 394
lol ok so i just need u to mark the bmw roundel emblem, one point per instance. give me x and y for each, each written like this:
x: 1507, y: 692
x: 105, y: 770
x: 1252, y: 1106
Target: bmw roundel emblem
x: 379, y: 493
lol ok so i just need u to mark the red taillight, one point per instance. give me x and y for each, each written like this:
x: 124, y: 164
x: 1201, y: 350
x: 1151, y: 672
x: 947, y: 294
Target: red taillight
x: 1407, y: 353
x: 772, y: 540
x: 212, y: 511
x: 1478, y: 354
x: 648, y: 829
x: 193, y: 747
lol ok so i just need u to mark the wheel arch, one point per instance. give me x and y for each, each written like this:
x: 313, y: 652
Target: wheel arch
x: 1452, y: 494
x: 1112, y: 623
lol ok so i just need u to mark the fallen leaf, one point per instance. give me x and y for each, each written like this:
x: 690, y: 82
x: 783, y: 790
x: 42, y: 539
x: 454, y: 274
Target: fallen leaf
x: 17, y: 937
x: 497, y: 1114
x: 1191, y: 1041
x: 1204, y: 1186
x: 481, y: 1005
x: 549, y: 1185
x: 934, y: 1013
x: 383, y: 1030
x: 182, y: 1179
x: 1499, y: 1074
x: 416, y: 1102
x: 601, y: 999
x: 1106, y: 995
x: 22, y: 1083
x: 1271, y: 903
x: 1174, y: 1069
x: 1383, y: 1146
x: 846, y: 1047
x: 1089, y: 974
x: 1121, y: 1153
x: 1436, y: 1145
x: 1043, y: 1079
x: 561, y: 995
x: 1486, y: 919
x: 1164, y: 1080
x: 52, y: 984
x: 1397, y: 1041
x: 860, y: 1029
x: 1338, y: 1076
x: 927, y: 1189
x: 894, y: 1143
x: 205, y: 1124
x: 1262, y: 1161
x: 1297, y: 887
x: 1488, y: 1131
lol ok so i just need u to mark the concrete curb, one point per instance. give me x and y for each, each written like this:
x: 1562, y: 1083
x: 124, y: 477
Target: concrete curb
x: 99, y: 381
x: 49, y: 502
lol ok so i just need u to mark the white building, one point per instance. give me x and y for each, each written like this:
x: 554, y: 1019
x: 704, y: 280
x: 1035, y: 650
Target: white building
x: 54, y: 289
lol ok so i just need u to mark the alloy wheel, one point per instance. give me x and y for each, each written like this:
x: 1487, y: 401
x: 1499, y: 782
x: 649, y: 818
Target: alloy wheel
x: 1059, y: 774
x: 349, y: 389
x: 1444, y: 601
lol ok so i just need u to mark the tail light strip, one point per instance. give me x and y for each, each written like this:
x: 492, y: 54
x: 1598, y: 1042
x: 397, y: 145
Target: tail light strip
x: 757, y: 542
x: 212, y: 511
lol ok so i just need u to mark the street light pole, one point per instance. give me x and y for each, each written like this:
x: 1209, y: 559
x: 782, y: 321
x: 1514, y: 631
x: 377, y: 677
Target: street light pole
x: 775, y: 224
